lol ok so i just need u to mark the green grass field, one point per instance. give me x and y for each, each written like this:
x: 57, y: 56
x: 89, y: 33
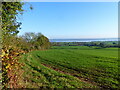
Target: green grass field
x: 71, y: 67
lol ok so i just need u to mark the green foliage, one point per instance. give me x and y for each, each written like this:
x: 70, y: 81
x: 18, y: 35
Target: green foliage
x: 96, y: 65
x: 36, y: 41
x: 97, y: 44
x: 31, y: 37
x: 14, y: 46
x: 10, y: 10
x: 43, y: 42
x: 10, y: 49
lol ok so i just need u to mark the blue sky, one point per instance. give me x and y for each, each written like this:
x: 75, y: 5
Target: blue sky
x: 71, y: 19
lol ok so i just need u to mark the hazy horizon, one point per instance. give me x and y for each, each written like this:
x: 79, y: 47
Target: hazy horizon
x: 83, y: 38
x: 88, y: 38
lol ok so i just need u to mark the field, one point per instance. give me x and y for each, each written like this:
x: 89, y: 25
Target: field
x: 71, y: 67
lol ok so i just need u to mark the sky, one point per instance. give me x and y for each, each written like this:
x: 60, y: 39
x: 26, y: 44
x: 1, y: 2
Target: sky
x: 71, y: 0
x: 64, y: 20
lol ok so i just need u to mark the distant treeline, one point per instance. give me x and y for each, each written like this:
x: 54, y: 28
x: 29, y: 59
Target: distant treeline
x: 103, y: 44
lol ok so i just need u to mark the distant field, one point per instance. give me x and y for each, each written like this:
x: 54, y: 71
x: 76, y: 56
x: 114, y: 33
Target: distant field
x: 105, y: 52
x: 99, y: 67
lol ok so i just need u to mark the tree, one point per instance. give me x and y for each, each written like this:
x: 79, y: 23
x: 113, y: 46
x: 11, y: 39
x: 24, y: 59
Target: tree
x: 10, y: 11
x: 43, y: 42
x: 102, y: 45
x: 31, y: 37
x: 36, y: 40
x: 10, y: 26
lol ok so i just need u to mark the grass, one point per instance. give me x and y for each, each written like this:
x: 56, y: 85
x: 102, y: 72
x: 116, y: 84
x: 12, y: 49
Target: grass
x: 37, y: 75
x: 99, y: 66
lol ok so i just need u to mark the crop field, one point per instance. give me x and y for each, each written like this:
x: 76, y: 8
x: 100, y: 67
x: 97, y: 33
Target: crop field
x: 72, y: 67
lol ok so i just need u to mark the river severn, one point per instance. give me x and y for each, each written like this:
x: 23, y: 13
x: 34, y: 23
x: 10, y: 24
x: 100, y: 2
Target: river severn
x: 84, y: 40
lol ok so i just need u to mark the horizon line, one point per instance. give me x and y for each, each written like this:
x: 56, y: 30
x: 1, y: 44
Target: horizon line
x: 87, y: 38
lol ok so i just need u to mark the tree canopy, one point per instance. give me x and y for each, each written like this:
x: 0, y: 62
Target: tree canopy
x: 10, y: 11
x: 10, y: 25
x: 36, y: 40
